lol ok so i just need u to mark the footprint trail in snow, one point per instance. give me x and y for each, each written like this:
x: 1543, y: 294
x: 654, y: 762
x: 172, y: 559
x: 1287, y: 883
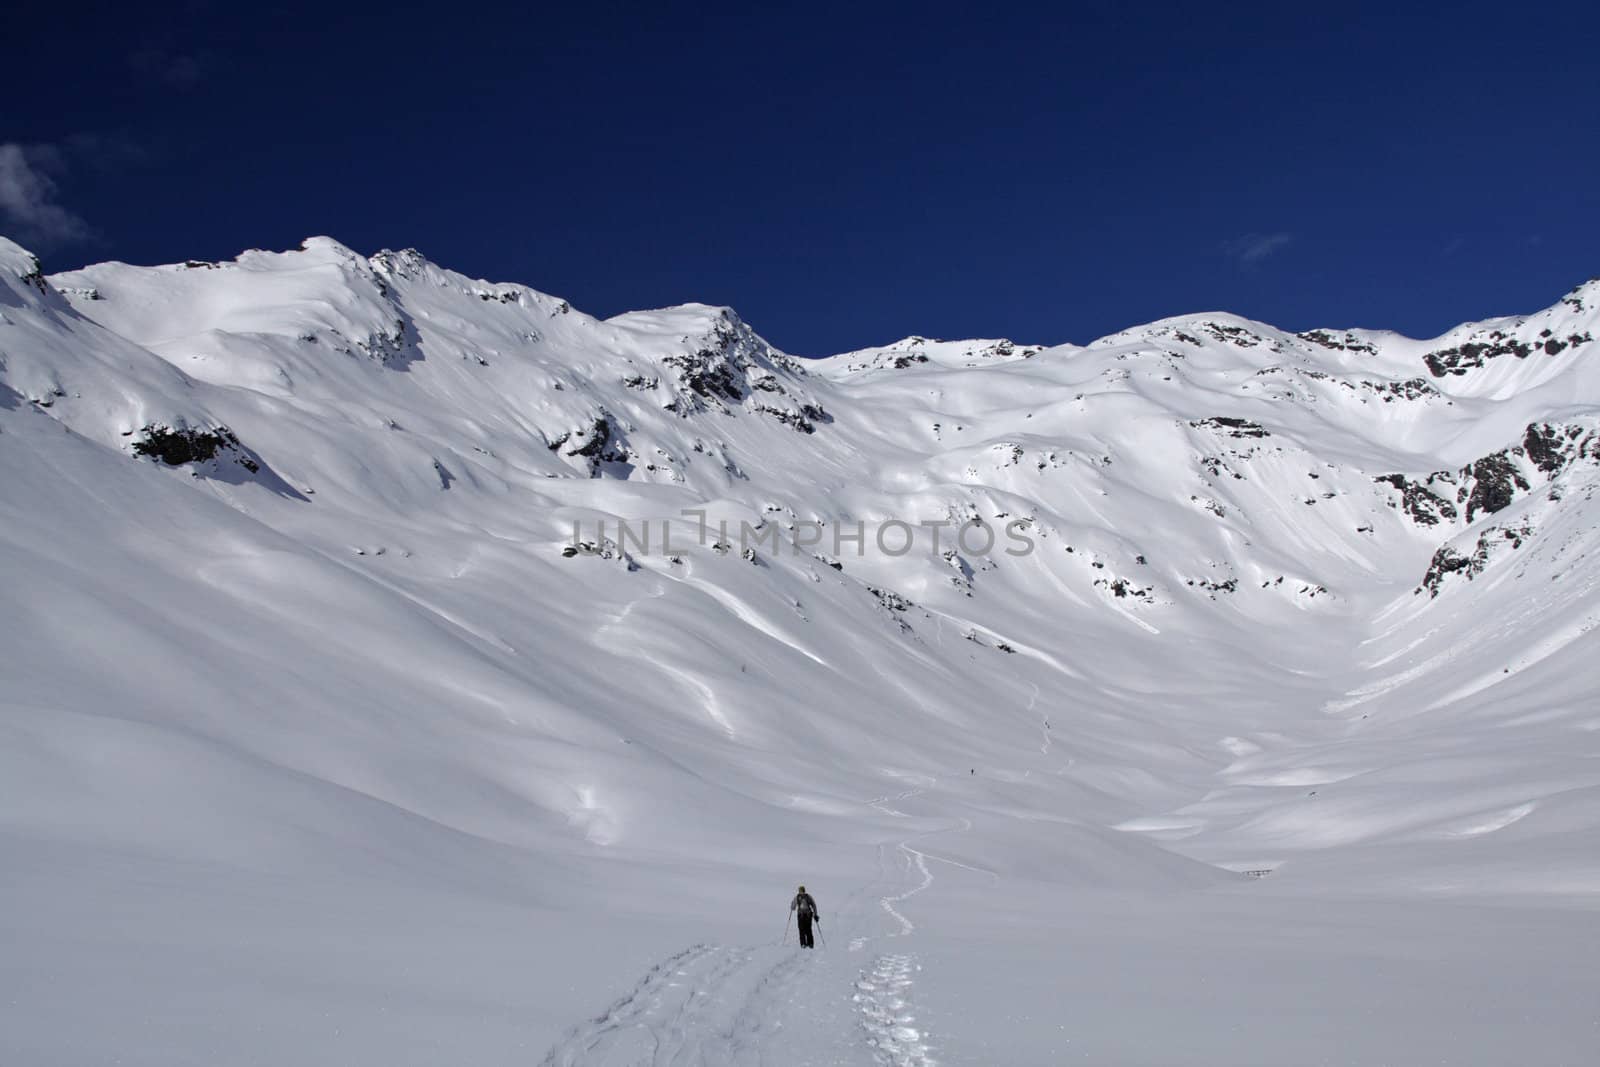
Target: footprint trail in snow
x: 883, y: 991
x: 880, y: 996
x: 726, y: 1006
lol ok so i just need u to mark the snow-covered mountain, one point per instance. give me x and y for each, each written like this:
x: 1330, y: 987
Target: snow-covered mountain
x: 344, y: 724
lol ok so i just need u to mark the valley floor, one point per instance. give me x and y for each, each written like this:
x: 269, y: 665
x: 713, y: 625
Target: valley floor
x: 927, y: 958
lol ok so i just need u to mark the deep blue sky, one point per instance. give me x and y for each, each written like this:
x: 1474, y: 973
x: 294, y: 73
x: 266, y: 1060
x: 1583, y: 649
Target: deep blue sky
x: 841, y: 174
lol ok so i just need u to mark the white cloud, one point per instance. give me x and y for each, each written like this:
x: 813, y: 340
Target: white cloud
x: 28, y: 205
x: 1254, y: 247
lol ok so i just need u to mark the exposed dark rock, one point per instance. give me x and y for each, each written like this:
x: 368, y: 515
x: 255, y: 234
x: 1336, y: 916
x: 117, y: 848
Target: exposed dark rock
x: 704, y: 376
x: 891, y: 600
x: 1348, y: 343
x: 1217, y: 466
x: 176, y: 447
x: 1421, y: 504
x: 800, y: 420
x: 1553, y: 448
x: 604, y: 548
x: 1494, y: 481
x: 1410, y: 389
x: 34, y: 275
x: 1230, y: 426
x: 895, y: 605
x: 215, y: 454
x: 1234, y: 335
x: 732, y: 363
x: 955, y: 562
x: 386, y: 347
x: 1492, y: 484
x: 600, y: 443
x: 1465, y: 357
x: 1544, y: 446
x: 1448, y: 561
x: 717, y: 370
x: 1122, y: 588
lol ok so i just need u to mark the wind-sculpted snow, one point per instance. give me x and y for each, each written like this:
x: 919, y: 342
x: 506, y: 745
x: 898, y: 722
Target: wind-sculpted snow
x: 401, y: 667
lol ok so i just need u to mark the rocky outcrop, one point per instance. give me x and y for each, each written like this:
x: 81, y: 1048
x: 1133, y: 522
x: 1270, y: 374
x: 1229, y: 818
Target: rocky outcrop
x: 1491, y: 483
x: 1229, y: 426
x: 1449, y: 560
x: 1554, y: 447
x: 600, y: 444
x: 1348, y: 343
x: 731, y: 365
x: 175, y: 447
x: 1462, y: 358
x: 1419, y: 502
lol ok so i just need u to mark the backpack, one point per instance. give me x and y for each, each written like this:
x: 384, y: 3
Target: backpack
x: 806, y: 906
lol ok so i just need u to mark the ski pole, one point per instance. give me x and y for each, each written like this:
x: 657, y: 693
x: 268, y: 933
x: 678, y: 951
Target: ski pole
x: 820, y: 933
x: 785, y: 940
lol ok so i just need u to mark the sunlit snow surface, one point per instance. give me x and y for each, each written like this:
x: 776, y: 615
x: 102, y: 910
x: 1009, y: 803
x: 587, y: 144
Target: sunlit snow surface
x: 322, y: 751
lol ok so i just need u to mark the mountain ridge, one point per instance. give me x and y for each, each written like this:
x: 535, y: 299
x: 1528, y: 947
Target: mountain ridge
x: 316, y: 563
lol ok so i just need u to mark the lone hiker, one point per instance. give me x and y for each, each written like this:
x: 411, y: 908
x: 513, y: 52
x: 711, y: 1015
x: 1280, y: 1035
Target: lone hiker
x: 805, y: 910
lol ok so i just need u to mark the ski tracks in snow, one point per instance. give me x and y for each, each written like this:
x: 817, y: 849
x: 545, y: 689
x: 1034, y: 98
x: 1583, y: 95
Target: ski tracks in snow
x: 702, y: 1007
x: 916, y: 864
x: 914, y: 860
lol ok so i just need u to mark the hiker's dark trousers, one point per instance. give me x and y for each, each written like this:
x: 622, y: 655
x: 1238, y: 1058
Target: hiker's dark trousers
x: 805, y: 932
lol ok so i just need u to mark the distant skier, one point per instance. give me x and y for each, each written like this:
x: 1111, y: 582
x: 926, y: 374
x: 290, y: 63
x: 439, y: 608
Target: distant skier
x: 805, y: 912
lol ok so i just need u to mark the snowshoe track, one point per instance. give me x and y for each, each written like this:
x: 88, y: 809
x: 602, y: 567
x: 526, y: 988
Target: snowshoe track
x: 881, y: 998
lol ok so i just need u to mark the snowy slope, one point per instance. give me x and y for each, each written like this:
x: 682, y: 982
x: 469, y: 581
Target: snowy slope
x: 328, y: 741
